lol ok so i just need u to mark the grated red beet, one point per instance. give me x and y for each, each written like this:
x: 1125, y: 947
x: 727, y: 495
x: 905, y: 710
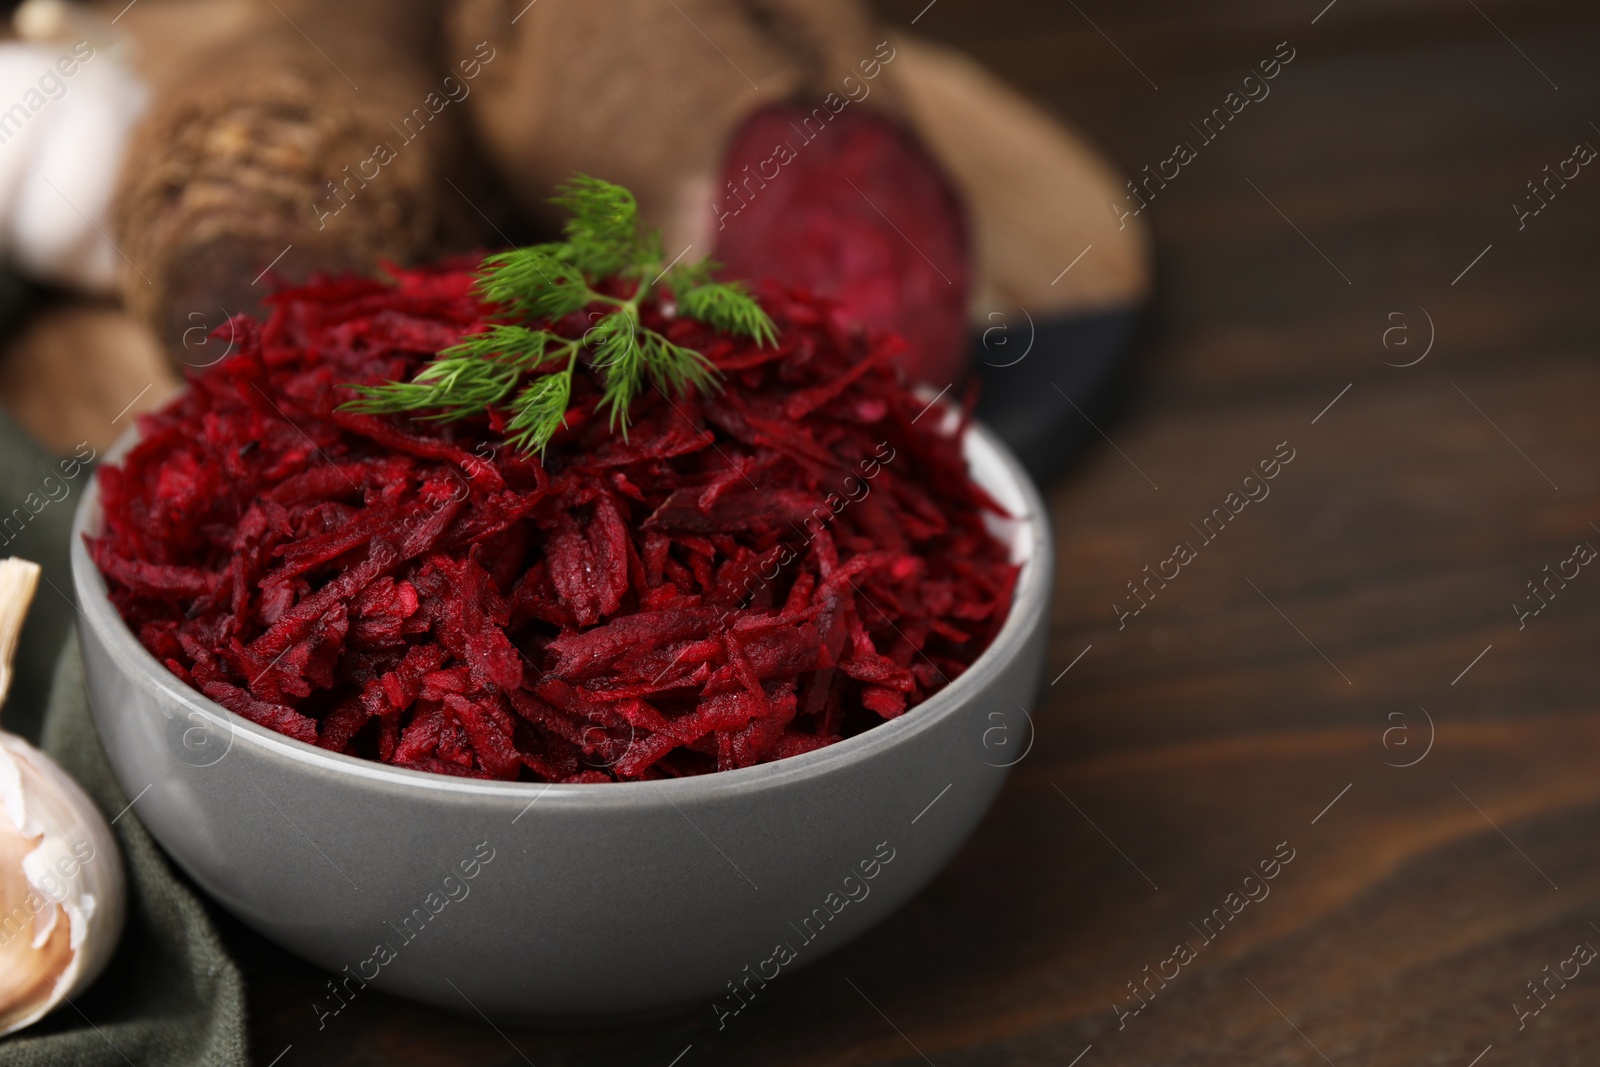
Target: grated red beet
x: 748, y: 575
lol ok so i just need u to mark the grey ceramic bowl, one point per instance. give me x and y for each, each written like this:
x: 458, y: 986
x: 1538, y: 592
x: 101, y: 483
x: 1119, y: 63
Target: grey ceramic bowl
x: 531, y: 902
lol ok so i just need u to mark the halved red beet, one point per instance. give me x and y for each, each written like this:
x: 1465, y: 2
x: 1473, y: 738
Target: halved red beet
x: 852, y: 206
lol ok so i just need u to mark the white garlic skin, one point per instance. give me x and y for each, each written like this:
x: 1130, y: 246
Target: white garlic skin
x: 62, y: 892
x: 59, y: 165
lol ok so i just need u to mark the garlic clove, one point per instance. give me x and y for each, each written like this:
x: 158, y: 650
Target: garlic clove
x: 62, y: 894
x: 27, y: 968
x: 18, y: 580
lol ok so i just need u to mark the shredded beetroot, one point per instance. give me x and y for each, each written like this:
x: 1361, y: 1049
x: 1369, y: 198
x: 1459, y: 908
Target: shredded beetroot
x: 748, y: 575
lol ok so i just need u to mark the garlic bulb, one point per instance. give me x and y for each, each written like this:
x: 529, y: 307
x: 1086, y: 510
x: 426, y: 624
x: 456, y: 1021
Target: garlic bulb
x: 62, y: 896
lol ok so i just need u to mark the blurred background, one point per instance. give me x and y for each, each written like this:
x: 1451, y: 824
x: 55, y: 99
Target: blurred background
x: 1374, y: 271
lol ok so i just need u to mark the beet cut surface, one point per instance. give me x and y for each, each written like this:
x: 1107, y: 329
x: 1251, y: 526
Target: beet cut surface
x: 856, y: 208
x: 751, y: 574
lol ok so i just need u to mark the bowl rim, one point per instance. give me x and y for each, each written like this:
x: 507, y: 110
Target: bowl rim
x: 1028, y: 610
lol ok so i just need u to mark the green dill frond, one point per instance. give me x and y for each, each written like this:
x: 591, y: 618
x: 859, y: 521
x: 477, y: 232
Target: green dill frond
x: 534, y: 282
x: 516, y: 345
x: 647, y: 265
x: 390, y: 398
x: 603, y: 233
x: 447, y: 389
x: 674, y: 369
x: 539, y: 411
x: 730, y: 308
x: 620, y: 357
x: 467, y: 378
x: 459, y: 388
x: 688, y: 275
x: 543, y: 283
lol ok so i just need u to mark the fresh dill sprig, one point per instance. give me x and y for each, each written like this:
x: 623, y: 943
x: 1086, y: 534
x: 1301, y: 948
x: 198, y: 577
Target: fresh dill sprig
x: 542, y: 284
x: 729, y: 308
x: 539, y: 411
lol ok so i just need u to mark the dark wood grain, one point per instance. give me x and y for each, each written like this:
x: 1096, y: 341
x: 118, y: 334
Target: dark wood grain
x: 1212, y: 727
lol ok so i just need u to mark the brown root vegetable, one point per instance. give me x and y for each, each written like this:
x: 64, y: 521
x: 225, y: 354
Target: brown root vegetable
x: 261, y: 149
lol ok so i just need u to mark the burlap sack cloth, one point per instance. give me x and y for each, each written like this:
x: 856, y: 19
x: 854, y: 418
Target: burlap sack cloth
x: 172, y: 996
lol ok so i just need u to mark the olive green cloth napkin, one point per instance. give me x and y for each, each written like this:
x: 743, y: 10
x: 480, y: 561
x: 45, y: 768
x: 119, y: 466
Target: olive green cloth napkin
x: 171, y: 997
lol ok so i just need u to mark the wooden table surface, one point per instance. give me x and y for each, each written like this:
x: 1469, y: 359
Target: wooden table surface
x: 1339, y: 676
